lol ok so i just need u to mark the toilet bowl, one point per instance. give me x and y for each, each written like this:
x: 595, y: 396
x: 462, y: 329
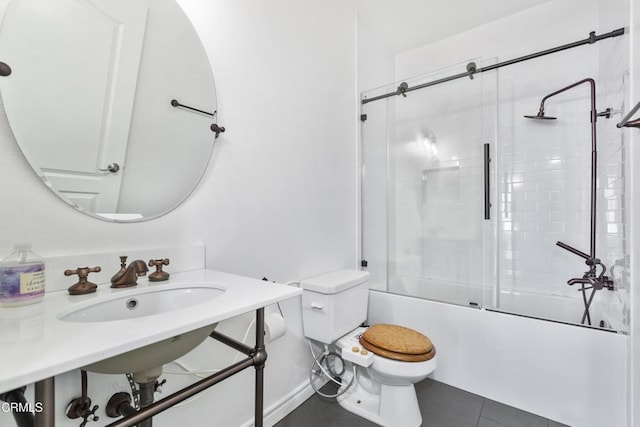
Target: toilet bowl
x: 383, y: 392
x: 388, y: 359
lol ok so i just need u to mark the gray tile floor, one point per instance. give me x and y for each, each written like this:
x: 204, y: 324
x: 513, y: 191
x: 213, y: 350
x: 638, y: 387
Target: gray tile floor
x: 441, y: 406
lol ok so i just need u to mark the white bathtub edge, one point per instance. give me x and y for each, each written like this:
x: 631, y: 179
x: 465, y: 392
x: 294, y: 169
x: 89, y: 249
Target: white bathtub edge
x: 570, y: 374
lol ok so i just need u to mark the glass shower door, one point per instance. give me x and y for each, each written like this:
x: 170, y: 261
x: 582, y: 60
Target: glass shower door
x: 424, y: 230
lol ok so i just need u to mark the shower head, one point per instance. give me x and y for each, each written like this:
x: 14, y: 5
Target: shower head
x: 541, y: 116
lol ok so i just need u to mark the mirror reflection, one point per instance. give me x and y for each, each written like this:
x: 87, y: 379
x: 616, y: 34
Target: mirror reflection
x: 89, y: 102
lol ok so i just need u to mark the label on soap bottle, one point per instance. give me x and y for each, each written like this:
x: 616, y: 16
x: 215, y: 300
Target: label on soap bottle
x: 32, y: 282
x: 21, y: 282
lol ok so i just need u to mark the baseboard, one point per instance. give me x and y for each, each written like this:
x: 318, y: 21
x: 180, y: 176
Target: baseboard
x: 285, y: 405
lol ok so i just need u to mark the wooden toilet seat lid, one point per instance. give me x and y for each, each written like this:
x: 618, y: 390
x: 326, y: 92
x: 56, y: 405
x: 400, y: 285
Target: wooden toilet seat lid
x: 398, y: 343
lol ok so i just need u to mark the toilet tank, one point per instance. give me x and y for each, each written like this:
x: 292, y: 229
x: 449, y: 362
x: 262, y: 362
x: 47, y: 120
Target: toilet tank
x: 334, y: 303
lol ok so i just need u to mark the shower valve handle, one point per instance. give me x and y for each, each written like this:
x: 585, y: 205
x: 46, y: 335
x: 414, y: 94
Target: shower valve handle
x: 604, y: 282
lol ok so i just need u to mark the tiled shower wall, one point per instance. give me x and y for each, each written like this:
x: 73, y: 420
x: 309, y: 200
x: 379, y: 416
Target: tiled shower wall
x: 543, y: 173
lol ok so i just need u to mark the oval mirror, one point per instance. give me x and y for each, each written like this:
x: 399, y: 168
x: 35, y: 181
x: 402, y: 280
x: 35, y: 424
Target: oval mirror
x: 111, y: 102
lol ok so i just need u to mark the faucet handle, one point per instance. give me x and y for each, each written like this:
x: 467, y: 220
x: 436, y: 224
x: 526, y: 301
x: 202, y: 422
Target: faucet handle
x: 123, y: 268
x: 158, y: 275
x: 83, y: 286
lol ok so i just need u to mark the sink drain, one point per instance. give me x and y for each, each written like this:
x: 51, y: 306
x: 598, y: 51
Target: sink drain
x: 131, y: 304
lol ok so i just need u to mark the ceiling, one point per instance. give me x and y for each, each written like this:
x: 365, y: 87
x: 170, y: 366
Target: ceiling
x: 407, y: 24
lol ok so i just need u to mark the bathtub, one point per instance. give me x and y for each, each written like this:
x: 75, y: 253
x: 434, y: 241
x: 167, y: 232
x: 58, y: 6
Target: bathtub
x: 571, y: 374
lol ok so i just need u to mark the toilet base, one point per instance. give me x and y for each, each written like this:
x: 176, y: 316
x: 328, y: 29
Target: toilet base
x: 394, y: 406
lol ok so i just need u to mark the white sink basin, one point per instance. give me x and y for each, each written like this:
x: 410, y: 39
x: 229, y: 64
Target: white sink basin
x: 142, y: 303
x: 148, y: 303
x: 152, y: 356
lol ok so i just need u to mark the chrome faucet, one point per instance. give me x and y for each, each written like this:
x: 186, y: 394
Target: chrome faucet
x: 128, y: 276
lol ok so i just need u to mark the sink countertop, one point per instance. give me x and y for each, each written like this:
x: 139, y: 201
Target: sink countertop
x: 35, y: 344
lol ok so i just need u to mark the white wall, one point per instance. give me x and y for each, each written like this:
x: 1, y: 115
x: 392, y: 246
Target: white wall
x: 278, y: 200
x: 285, y: 75
x: 376, y: 67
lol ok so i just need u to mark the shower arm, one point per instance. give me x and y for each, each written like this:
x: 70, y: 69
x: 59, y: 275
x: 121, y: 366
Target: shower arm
x: 594, y: 113
x: 594, y: 161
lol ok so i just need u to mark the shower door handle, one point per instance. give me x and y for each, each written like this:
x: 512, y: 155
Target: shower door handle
x: 487, y: 182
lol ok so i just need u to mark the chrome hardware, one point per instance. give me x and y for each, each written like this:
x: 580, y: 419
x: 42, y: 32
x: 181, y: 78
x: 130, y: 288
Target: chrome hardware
x: 131, y: 304
x: 111, y: 167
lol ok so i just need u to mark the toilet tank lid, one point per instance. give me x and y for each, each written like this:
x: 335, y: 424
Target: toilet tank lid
x: 335, y: 281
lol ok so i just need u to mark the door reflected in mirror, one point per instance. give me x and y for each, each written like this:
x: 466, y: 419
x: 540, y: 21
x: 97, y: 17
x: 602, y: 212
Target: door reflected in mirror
x: 89, y: 102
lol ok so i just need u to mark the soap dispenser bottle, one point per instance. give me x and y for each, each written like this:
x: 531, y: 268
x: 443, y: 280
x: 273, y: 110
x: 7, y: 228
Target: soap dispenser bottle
x: 21, y: 277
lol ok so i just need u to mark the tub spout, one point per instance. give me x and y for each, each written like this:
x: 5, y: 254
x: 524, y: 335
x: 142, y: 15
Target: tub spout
x: 581, y: 280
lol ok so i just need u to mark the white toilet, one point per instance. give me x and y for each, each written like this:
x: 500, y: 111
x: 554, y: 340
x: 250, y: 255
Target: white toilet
x: 390, y: 359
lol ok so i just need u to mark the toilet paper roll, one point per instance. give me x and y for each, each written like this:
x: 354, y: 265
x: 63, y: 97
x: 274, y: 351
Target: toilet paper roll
x: 243, y: 328
x: 274, y: 327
